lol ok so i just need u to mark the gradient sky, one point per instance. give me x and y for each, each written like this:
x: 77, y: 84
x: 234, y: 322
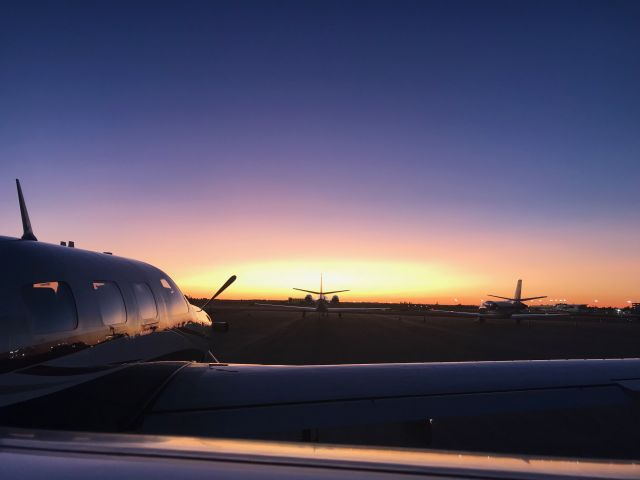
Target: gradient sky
x: 425, y: 151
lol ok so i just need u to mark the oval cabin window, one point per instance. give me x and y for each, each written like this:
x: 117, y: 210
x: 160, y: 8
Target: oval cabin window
x: 51, y: 306
x: 110, y: 302
x: 173, y: 297
x: 146, y: 302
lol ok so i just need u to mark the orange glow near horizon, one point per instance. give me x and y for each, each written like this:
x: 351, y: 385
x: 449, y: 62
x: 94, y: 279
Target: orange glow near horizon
x: 399, y: 263
x: 386, y: 258
x: 367, y: 281
x: 386, y: 281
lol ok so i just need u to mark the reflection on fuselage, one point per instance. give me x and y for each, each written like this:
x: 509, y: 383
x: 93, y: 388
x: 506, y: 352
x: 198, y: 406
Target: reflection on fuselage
x: 58, y: 300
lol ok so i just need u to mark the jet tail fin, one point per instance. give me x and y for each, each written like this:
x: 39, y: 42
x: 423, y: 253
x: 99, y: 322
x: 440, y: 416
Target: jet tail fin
x: 27, y: 231
x: 517, y: 296
x: 518, y: 293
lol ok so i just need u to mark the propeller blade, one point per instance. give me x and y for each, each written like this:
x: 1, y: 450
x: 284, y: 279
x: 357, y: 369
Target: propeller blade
x: 232, y: 279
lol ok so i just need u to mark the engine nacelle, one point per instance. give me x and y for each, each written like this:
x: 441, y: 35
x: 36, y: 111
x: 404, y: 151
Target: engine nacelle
x: 335, y: 299
x: 308, y: 299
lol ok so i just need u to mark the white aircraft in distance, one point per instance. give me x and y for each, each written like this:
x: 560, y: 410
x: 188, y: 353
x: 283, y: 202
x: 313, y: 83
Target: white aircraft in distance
x: 322, y: 306
x: 93, y: 342
x: 508, y: 308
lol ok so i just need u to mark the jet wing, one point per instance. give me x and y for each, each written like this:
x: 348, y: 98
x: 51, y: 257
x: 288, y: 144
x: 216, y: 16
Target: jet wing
x: 524, y: 316
x: 285, y: 307
x: 453, y: 313
x: 356, y: 309
x: 249, y: 400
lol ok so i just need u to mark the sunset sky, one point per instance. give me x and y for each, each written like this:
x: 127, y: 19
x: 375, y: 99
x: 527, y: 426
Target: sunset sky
x: 417, y: 151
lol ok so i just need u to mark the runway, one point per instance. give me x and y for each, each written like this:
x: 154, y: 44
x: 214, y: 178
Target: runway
x: 287, y: 338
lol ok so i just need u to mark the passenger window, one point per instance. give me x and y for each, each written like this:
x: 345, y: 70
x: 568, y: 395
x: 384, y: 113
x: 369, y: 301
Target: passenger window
x: 111, y: 303
x: 146, y: 301
x: 176, y: 303
x: 52, y: 307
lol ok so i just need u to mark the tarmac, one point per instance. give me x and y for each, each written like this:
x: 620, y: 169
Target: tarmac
x: 288, y: 338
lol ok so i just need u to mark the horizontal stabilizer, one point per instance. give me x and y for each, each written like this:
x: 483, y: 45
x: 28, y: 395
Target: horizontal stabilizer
x: 308, y: 291
x: 335, y: 291
x: 503, y: 298
x: 532, y: 298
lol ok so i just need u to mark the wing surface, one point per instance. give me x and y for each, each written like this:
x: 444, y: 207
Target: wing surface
x: 454, y: 313
x: 539, y: 315
x: 245, y: 400
x: 285, y: 307
x: 356, y: 309
x: 67, y: 455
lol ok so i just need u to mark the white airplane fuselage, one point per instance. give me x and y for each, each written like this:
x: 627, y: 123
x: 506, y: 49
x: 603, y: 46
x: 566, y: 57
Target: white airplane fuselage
x: 504, y: 309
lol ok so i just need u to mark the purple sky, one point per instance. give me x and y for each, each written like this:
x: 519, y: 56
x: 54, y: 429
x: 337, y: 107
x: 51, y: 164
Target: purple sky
x: 261, y: 131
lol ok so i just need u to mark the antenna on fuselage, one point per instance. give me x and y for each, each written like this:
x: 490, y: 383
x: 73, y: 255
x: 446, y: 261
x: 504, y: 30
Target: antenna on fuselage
x: 27, y: 231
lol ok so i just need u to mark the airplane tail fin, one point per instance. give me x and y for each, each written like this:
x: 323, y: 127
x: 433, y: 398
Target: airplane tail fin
x: 27, y: 231
x: 518, y: 293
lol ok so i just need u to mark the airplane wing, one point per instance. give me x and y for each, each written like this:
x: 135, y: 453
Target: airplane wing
x: 253, y: 400
x: 356, y: 309
x: 454, y: 313
x: 524, y: 316
x: 67, y: 455
x: 285, y: 307
x: 276, y: 307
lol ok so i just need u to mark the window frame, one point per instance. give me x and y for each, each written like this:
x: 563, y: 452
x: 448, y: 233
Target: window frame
x: 124, y: 303
x: 171, y: 305
x: 146, y: 321
x: 33, y: 318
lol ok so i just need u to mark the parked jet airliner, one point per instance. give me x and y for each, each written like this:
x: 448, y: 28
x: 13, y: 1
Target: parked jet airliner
x: 93, y: 342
